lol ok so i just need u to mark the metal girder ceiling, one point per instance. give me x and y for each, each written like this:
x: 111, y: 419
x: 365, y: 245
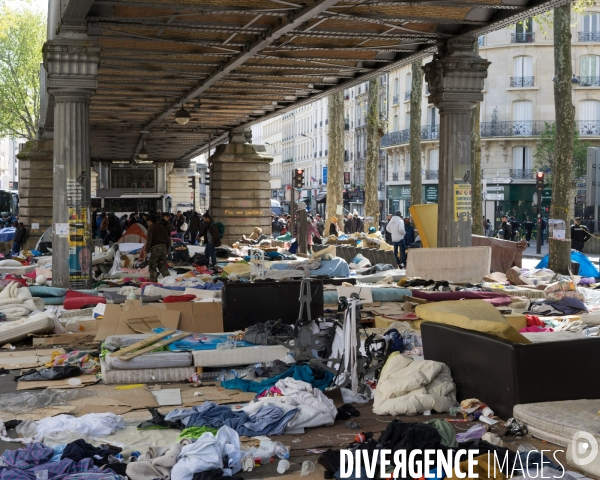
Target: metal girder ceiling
x: 236, y: 62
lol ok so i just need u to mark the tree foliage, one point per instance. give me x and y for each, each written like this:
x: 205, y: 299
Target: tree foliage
x: 545, y: 152
x: 22, y: 35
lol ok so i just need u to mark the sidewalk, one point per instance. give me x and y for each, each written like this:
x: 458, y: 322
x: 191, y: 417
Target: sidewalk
x: 530, y: 252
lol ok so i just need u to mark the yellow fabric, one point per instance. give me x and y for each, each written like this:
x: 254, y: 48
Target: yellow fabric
x: 474, y: 315
x: 425, y: 218
x: 483, y: 469
x: 239, y: 268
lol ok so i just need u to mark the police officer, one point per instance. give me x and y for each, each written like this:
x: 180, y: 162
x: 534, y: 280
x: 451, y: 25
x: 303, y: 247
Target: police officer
x: 579, y: 235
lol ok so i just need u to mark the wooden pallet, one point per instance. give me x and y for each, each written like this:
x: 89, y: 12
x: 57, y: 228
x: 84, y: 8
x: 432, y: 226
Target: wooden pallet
x: 145, y: 342
x: 154, y: 346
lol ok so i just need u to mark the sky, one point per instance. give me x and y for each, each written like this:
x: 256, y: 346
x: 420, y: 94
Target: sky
x: 38, y: 4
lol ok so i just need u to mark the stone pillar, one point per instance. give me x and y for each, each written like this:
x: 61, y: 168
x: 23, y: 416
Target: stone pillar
x: 240, y: 187
x: 71, y: 62
x: 35, y: 188
x: 455, y: 77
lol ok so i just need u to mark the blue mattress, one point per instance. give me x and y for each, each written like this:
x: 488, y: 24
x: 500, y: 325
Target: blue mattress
x: 7, y: 234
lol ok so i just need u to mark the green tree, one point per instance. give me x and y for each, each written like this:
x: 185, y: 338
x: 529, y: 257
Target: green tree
x: 545, y: 152
x: 22, y: 35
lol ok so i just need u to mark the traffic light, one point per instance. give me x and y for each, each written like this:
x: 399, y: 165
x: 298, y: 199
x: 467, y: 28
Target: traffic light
x: 207, y: 177
x: 298, y: 178
x: 539, y: 181
x: 192, y: 183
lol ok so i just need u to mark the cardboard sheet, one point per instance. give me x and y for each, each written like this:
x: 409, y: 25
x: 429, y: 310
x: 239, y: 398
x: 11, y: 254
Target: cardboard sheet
x: 115, y: 319
x: 16, y: 359
x: 198, y: 317
x: 85, y: 380
x: 167, y: 397
x: 140, y: 398
x: 145, y: 324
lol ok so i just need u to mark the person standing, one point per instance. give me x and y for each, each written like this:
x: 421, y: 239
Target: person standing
x: 386, y: 235
x: 320, y: 225
x: 310, y: 231
x: 349, y: 225
x: 514, y: 225
x: 541, y: 232
x: 194, y: 229
x: 579, y: 235
x: 158, y: 242
x: 488, y: 228
x: 178, y: 223
x: 103, y: 226
x: 19, y: 238
x: 409, y: 237
x: 396, y: 229
x: 506, y: 228
x: 528, y: 226
x: 212, y: 240
x: 334, y: 229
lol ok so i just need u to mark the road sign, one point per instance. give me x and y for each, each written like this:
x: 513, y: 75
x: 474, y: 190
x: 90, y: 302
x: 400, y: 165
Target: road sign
x: 495, y: 196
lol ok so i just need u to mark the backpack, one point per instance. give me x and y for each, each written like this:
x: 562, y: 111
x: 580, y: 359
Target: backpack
x: 221, y: 229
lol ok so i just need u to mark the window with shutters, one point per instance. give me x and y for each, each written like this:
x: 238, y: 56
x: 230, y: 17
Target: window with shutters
x: 589, y: 117
x: 591, y: 28
x: 522, y: 163
x: 523, y: 32
x: 430, y: 131
x: 589, y: 71
x: 523, y: 72
x: 434, y: 166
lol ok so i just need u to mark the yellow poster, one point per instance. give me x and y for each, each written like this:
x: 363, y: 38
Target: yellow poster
x: 462, y: 201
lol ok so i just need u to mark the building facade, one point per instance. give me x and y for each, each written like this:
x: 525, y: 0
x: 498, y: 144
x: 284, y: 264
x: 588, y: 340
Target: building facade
x: 9, y: 164
x: 518, y: 106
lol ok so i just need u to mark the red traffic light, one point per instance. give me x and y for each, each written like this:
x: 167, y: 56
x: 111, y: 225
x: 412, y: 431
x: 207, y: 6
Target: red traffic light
x: 539, y: 175
x: 299, y: 171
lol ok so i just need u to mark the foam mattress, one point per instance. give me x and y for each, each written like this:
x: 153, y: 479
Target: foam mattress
x: 22, y: 270
x: 150, y: 360
x: 145, y: 375
x: 238, y: 356
x: 16, y: 331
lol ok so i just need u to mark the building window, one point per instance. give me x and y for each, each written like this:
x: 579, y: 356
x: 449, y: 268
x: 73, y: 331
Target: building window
x: 523, y: 72
x: 522, y: 163
x: 408, y: 86
x: 589, y: 71
x: 434, y: 160
x: 591, y: 28
x: 523, y: 32
x: 589, y: 117
x: 396, y: 123
x: 396, y: 86
x: 407, y: 121
x: 523, y: 117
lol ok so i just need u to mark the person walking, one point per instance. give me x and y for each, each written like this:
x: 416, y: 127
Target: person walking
x: 194, y: 229
x: 506, y: 228
x: 178, y: 223
x: 158, y: 242
x: 528, y: 226
x: 579, y: 235
x: 515, y: 227
x: 19, y: 239
x: 310, y: 231
x: 320, y: 224
x: 212, y: 240
x: 396, y: 228
x: 103, y: 226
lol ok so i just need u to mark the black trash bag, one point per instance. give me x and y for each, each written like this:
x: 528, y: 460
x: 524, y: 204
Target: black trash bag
x: 52, y: 373
x: 199, y: 259
x: 181, y: 254
x: 260, y: 333
x: 158, y: 422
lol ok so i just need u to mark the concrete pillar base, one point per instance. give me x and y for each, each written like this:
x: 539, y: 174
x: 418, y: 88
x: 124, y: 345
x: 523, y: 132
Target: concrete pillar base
x: 35, y: 187
x: 240, y: 190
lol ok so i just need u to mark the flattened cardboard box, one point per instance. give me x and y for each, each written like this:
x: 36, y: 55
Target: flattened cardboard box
x: 198, y: 317
x: 114, y: 321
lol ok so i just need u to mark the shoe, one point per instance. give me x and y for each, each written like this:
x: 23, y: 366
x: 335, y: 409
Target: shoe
x: 349, y: 409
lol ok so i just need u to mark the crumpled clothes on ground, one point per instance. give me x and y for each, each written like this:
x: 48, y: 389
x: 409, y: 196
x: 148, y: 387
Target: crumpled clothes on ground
x: 22, y: 464
x: 320, y: 380
x: 267, y: 420
x: 473, y: 433
x: 157, y: 462
x: 16, y: 302
x: 53, y: 373
x: 83, y: 360
x: 380, y: 267
x: 214, y: 474
x: 562, y: 289
x: 209, y: 452
x: 94, y: 424
x: 260, y: 333
x: 535, y: 330
x: 399, y: 435
x: 534, y: 321
x: 196, y: 432
x: 446, y: 431
x: 80, y: 449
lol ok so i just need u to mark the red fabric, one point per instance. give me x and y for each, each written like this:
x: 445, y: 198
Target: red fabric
x: 496, y: 299
x: 76, y: 300
x: 179, y: 298
x: 12, y: 278
x: 534, y: 321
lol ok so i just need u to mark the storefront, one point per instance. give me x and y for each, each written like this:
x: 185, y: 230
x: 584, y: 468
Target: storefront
x: 514, y: 200
x: 399, y: 197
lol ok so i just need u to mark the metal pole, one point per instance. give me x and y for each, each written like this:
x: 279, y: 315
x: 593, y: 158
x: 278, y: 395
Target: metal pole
x: 302, y: 233
x: 538, y: 243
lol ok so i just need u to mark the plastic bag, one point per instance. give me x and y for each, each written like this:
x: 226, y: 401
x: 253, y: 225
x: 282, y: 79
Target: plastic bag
x: 52, y: 373
x: 27, y: 401
x: 350, y: 397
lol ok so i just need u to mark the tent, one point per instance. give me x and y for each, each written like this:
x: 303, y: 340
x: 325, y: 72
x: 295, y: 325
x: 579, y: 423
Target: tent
x: 586, y: 267
x: 135, y: 234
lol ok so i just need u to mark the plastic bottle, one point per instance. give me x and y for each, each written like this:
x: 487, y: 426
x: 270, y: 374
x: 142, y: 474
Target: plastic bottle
x: 307, y: 468
x: 591, y: 332
x: 283, y: 466
x: 282, y: 451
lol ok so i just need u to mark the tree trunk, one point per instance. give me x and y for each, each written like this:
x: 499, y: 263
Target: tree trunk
x: 335, y: 162
x: 476, y: 193
x: 372, y: 161
x: 416, y: 97
x: 560, y: 251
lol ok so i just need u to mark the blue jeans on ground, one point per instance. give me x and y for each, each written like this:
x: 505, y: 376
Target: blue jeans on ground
x: 211, y: 254
x: 402, y: 247
x: 16, y: 248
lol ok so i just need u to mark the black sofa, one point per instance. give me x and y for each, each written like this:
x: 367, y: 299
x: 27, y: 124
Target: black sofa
x: 503, y: 374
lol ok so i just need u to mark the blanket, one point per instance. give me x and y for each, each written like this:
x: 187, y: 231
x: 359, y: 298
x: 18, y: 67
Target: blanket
x: 407, y: 387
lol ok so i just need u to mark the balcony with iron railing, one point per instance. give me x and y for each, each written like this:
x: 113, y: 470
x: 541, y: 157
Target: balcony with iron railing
x: 288, y: 160
x: 522, y: 81
x: 523, y: 37
x: 588, y: 128
x: 394, y: 177
x: 589, y: 81
x: 406, y: 175
x: 431, y: 174
x: 526, y: 128
x: 521, y: 174
x: 407, y: 95
x: 589, y: 36
x: 395, y: 99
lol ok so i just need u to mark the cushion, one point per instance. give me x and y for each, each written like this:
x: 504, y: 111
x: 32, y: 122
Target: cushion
x: 475, y: 315
x: 77, y: 300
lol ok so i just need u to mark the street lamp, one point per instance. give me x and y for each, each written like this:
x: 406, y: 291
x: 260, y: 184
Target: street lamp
x: 143, y: 153
x: 311, y: 139
x: 182, y: 116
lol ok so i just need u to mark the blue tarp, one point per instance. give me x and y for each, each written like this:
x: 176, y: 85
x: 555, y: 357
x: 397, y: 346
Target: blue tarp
x: 586, y: 267
x: 338, y: 267
x: 7, y: 234
x: 297, y: 372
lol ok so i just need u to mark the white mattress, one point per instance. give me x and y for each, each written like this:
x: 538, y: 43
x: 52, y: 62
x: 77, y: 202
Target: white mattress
x: 150, y: 360
x: 20, y: 331
x: 238, y: 356
x: 22, y: 270
x: 145, y: 375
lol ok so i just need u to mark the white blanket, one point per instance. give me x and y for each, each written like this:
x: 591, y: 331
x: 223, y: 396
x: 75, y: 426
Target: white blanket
x: 407, y: 387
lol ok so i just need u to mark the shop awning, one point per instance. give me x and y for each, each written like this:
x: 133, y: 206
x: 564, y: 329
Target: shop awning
x: 321, y: 198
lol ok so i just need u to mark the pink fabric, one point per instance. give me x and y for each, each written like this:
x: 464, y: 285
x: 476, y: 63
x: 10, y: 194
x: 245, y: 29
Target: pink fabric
x: 310, y: 232
x: 535, y: 330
